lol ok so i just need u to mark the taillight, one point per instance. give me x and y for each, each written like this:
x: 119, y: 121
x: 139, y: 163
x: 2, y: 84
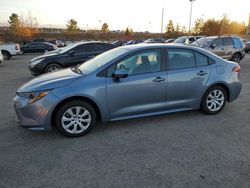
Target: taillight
x: 236, y: 69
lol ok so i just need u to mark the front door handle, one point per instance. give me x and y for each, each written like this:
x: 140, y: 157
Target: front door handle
x: 202, y: 73
x: 159, y: 79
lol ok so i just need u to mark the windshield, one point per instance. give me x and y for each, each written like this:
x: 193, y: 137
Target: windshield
x: 203, y: 42
x: 180, y: 40
x: 69, y: 47
x: 100, y: 60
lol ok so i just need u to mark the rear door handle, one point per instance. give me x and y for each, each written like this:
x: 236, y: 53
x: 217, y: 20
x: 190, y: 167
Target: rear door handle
x: 202, y: 73
x: 159, y: 79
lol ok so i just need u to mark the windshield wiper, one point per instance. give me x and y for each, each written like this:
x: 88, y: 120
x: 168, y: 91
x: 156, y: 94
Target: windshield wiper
x: 76, y: 70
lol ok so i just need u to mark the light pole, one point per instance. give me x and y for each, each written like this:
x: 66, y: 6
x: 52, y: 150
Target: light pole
x: 222, y: 26
x: 162, y: 20
x: 100, y: 22
x: 190, y: 18
x: 149, y: 27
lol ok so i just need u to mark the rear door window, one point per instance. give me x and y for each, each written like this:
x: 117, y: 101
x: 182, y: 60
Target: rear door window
x: 180, y: 59
x: 228, y: 42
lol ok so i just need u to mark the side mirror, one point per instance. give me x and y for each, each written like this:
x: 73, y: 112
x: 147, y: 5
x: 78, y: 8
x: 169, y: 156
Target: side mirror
x: 71, y: 53
x: 119, y: 73
x: 213, y: 46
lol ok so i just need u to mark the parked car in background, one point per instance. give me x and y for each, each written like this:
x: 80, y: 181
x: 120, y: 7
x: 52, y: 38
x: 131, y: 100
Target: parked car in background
x: 119, y: 42
x: 135, y: 41
x: 247, y: 46
x: 228, y: 47
x: 36, y: 47
x: 185, y: 40
x: 1, y: 57
x: 9, y: 50
x: 128, y: 82
x: 170, y: 40
x: 154, y: 40
x: 58, y: 43
x: 69, y: 56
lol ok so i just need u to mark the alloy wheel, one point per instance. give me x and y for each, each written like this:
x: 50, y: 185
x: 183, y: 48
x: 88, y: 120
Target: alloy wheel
x: 76, y: 120
x: 215, y: 100
x: 52, y: 68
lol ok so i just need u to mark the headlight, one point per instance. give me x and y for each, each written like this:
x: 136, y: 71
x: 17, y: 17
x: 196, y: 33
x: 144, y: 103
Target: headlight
x: 32, y: 96
x: 36, y: 61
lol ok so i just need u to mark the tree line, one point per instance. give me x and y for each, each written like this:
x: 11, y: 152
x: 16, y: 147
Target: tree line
x: 209, y: 27
x: 25, y: 27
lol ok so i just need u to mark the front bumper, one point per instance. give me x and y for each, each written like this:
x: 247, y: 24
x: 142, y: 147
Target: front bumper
x: 34, y: 70
x: 36, y: 115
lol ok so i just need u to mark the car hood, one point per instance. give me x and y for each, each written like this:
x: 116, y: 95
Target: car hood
x: 50, y: 81
x: 52, y: 53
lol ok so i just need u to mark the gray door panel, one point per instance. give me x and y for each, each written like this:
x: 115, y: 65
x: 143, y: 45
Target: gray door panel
x: 136, y: 94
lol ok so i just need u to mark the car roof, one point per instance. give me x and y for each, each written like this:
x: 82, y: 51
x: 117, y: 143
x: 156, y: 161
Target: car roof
x: 143, y: 46
x: 158, y: 45
x: 90, y: 42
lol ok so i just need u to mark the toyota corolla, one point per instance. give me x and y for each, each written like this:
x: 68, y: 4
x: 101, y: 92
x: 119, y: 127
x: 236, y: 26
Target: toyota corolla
x: 128, y: 82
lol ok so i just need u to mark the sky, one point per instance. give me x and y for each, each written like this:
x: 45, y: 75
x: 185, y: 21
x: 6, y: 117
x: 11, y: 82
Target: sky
x: 137, y: 14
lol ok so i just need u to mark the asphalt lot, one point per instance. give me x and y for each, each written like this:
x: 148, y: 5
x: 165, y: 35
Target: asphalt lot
x: 187, y: 149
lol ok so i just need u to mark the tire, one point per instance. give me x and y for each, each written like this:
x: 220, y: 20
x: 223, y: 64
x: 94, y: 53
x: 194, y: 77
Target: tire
x: 68, y: 123
x: 6, y: 55
x: 52, y: 67
x: 214, y: 100
x: 236, y: 58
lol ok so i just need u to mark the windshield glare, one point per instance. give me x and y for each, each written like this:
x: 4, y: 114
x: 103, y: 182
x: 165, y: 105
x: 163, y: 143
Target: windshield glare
x: 203, y: 42
x: 180, y: 40
x: 100, y: 60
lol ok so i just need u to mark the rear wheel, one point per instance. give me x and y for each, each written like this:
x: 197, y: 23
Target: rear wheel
x: 6, y: 55
x: 52, y: 67
x: 236, y: 58
x: 214, y: 100
x: 75, y: 118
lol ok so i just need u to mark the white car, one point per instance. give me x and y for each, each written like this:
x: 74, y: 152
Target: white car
x: 9, y: 50
x: 1, y: 57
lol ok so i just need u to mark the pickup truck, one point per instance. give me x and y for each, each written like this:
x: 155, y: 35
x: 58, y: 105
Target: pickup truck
x: 9, y: 50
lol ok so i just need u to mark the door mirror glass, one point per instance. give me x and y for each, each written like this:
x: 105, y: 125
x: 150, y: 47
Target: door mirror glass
x: 119, y: 73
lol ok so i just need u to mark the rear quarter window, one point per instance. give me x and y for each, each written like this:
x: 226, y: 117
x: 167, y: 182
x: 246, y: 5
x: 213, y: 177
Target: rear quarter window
x: 201, y: 60
x: 238, y: 43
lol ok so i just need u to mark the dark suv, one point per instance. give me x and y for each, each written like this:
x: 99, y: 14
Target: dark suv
x: 227, y: 47
x: 69, y: 56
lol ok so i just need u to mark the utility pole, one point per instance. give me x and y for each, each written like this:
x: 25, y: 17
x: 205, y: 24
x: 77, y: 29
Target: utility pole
x: 162, y: 20
x: 190, y: 18
x: 222, y: 26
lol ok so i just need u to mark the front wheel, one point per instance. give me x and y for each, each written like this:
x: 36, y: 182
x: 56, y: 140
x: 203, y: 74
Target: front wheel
x: 52, y: 67
x: 214, y: 100
x: 75, y: 118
